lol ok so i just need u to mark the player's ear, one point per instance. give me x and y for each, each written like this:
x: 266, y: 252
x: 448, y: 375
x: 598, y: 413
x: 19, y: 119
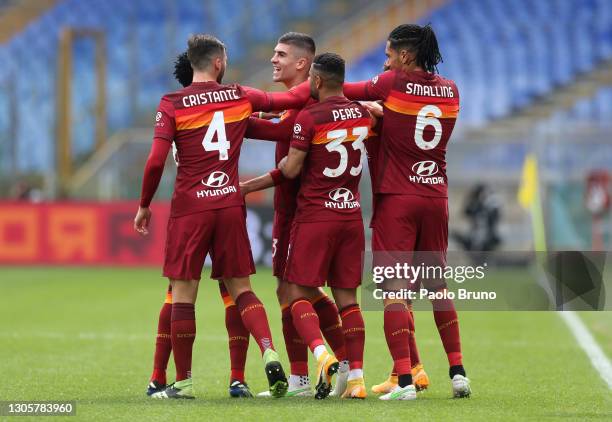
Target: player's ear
x: 301, y: 63
x: 406, y: 57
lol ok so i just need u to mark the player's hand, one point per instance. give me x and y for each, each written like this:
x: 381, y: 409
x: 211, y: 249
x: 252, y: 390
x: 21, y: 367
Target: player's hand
x: 142, y: 220
x: 282, y: 162
x: 374, y: 108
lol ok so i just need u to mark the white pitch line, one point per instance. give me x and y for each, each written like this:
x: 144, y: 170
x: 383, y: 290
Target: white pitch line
x: 585, y: 340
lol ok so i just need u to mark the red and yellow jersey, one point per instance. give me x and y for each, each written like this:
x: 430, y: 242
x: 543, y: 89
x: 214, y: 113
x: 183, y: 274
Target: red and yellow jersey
x: 207, y: 122
x: 420, y: 110
x: 333, y: 133
x: 285, y: 194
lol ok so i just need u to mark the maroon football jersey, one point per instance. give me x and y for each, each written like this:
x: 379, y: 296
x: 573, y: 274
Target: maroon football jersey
x: 333, y: 133
x: 420, y: 110
x: 285, y: 194
x: 207, y: 122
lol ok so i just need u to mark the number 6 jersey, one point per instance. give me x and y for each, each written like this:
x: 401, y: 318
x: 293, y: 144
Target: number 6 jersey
x: 333, y: 133
x: 420, y: 110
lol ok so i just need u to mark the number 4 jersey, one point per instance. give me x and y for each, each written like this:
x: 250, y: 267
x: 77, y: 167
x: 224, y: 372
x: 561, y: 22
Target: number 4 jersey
x: 333, y: 133
x: 207, y: 122
x: 420, y: 110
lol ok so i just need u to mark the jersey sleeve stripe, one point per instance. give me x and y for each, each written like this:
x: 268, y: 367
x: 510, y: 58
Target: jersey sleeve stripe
x: 449, y: 111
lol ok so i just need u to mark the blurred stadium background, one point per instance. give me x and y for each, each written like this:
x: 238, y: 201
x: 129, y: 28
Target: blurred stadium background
x: 80, y: 80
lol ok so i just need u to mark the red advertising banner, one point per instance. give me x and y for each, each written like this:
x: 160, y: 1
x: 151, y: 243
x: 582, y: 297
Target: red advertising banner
x: 100, y: 233
x: 79, y: 233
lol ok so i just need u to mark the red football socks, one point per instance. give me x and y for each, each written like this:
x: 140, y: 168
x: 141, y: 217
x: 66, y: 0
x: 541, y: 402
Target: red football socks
x: 163, y: 342
x: 396, y: 323
x: 183, y: 331
x: 414, y: 351
x: 255, y: 319
x: 306, y: 322
x: 330, y: 325
x: 354, y: 335
x: 447, y: 322
x: 296, y: 348
x: 237, y: 334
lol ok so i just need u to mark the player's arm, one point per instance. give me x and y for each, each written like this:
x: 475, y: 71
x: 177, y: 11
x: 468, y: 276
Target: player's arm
x: 163, y: 137
x: 154, y: 169
x: 296, y: 97
x: 272, y: 178
x: 270, y: 131
x: 303, y: 132
x: 291, y: 165
x: 377, y: 88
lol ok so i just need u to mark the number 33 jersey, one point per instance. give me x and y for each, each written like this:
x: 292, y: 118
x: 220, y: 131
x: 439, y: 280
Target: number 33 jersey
x: 420, y: 110
x: 332, y: 132
x: 207, y: 122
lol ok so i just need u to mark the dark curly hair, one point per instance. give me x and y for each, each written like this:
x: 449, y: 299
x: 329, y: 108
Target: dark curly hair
x: 183, y: 72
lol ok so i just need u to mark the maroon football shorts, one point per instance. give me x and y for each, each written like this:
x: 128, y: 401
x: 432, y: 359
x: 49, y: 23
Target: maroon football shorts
x: 326, y: 251
x: 281, y: 233
x: 411, y: 224
x: 221, y: 232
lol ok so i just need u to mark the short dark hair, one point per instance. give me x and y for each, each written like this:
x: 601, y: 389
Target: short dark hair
x: 420, y: 40
x: 183, y: 72
x: 202, y: 48
x: 299, y: 40
x: 331, y: 68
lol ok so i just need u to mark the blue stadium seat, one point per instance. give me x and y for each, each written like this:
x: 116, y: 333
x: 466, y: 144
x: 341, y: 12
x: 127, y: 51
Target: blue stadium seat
x: 514, y: 51
x: 501, y: 54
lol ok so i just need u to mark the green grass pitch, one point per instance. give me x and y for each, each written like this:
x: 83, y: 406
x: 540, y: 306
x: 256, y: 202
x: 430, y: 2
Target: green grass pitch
x: 87, y: 334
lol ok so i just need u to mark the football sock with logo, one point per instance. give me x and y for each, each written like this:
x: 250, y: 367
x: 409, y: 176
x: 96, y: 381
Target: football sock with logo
x: 255, y: 319
x: 396, y: 323
x: 297, y: 351
x: 163, y: 342
x: 306, y: 323
x: 414, y: 351
x: 354, y: 335
x: 183, y: 331
x: 237, y: 334
x: 330, y: 325
x: 447, y: 322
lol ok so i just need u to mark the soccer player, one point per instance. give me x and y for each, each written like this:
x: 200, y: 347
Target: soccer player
x: 207, y: 122
x: 411, y: 212
x: 327, y: 238
x: 292, y: 58
x: 419, y: 376
x: 291, y: 63
x: 238, y: 335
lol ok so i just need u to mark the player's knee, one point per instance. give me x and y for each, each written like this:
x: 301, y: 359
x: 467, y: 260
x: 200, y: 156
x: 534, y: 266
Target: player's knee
x: 281, y: 291
x: 344, y: 297
x: 238, y: 286
x: 184, y: 291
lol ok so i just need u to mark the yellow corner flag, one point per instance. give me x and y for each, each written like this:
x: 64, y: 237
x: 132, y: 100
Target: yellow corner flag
x: 529, y: 198
x: 529, y: 182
